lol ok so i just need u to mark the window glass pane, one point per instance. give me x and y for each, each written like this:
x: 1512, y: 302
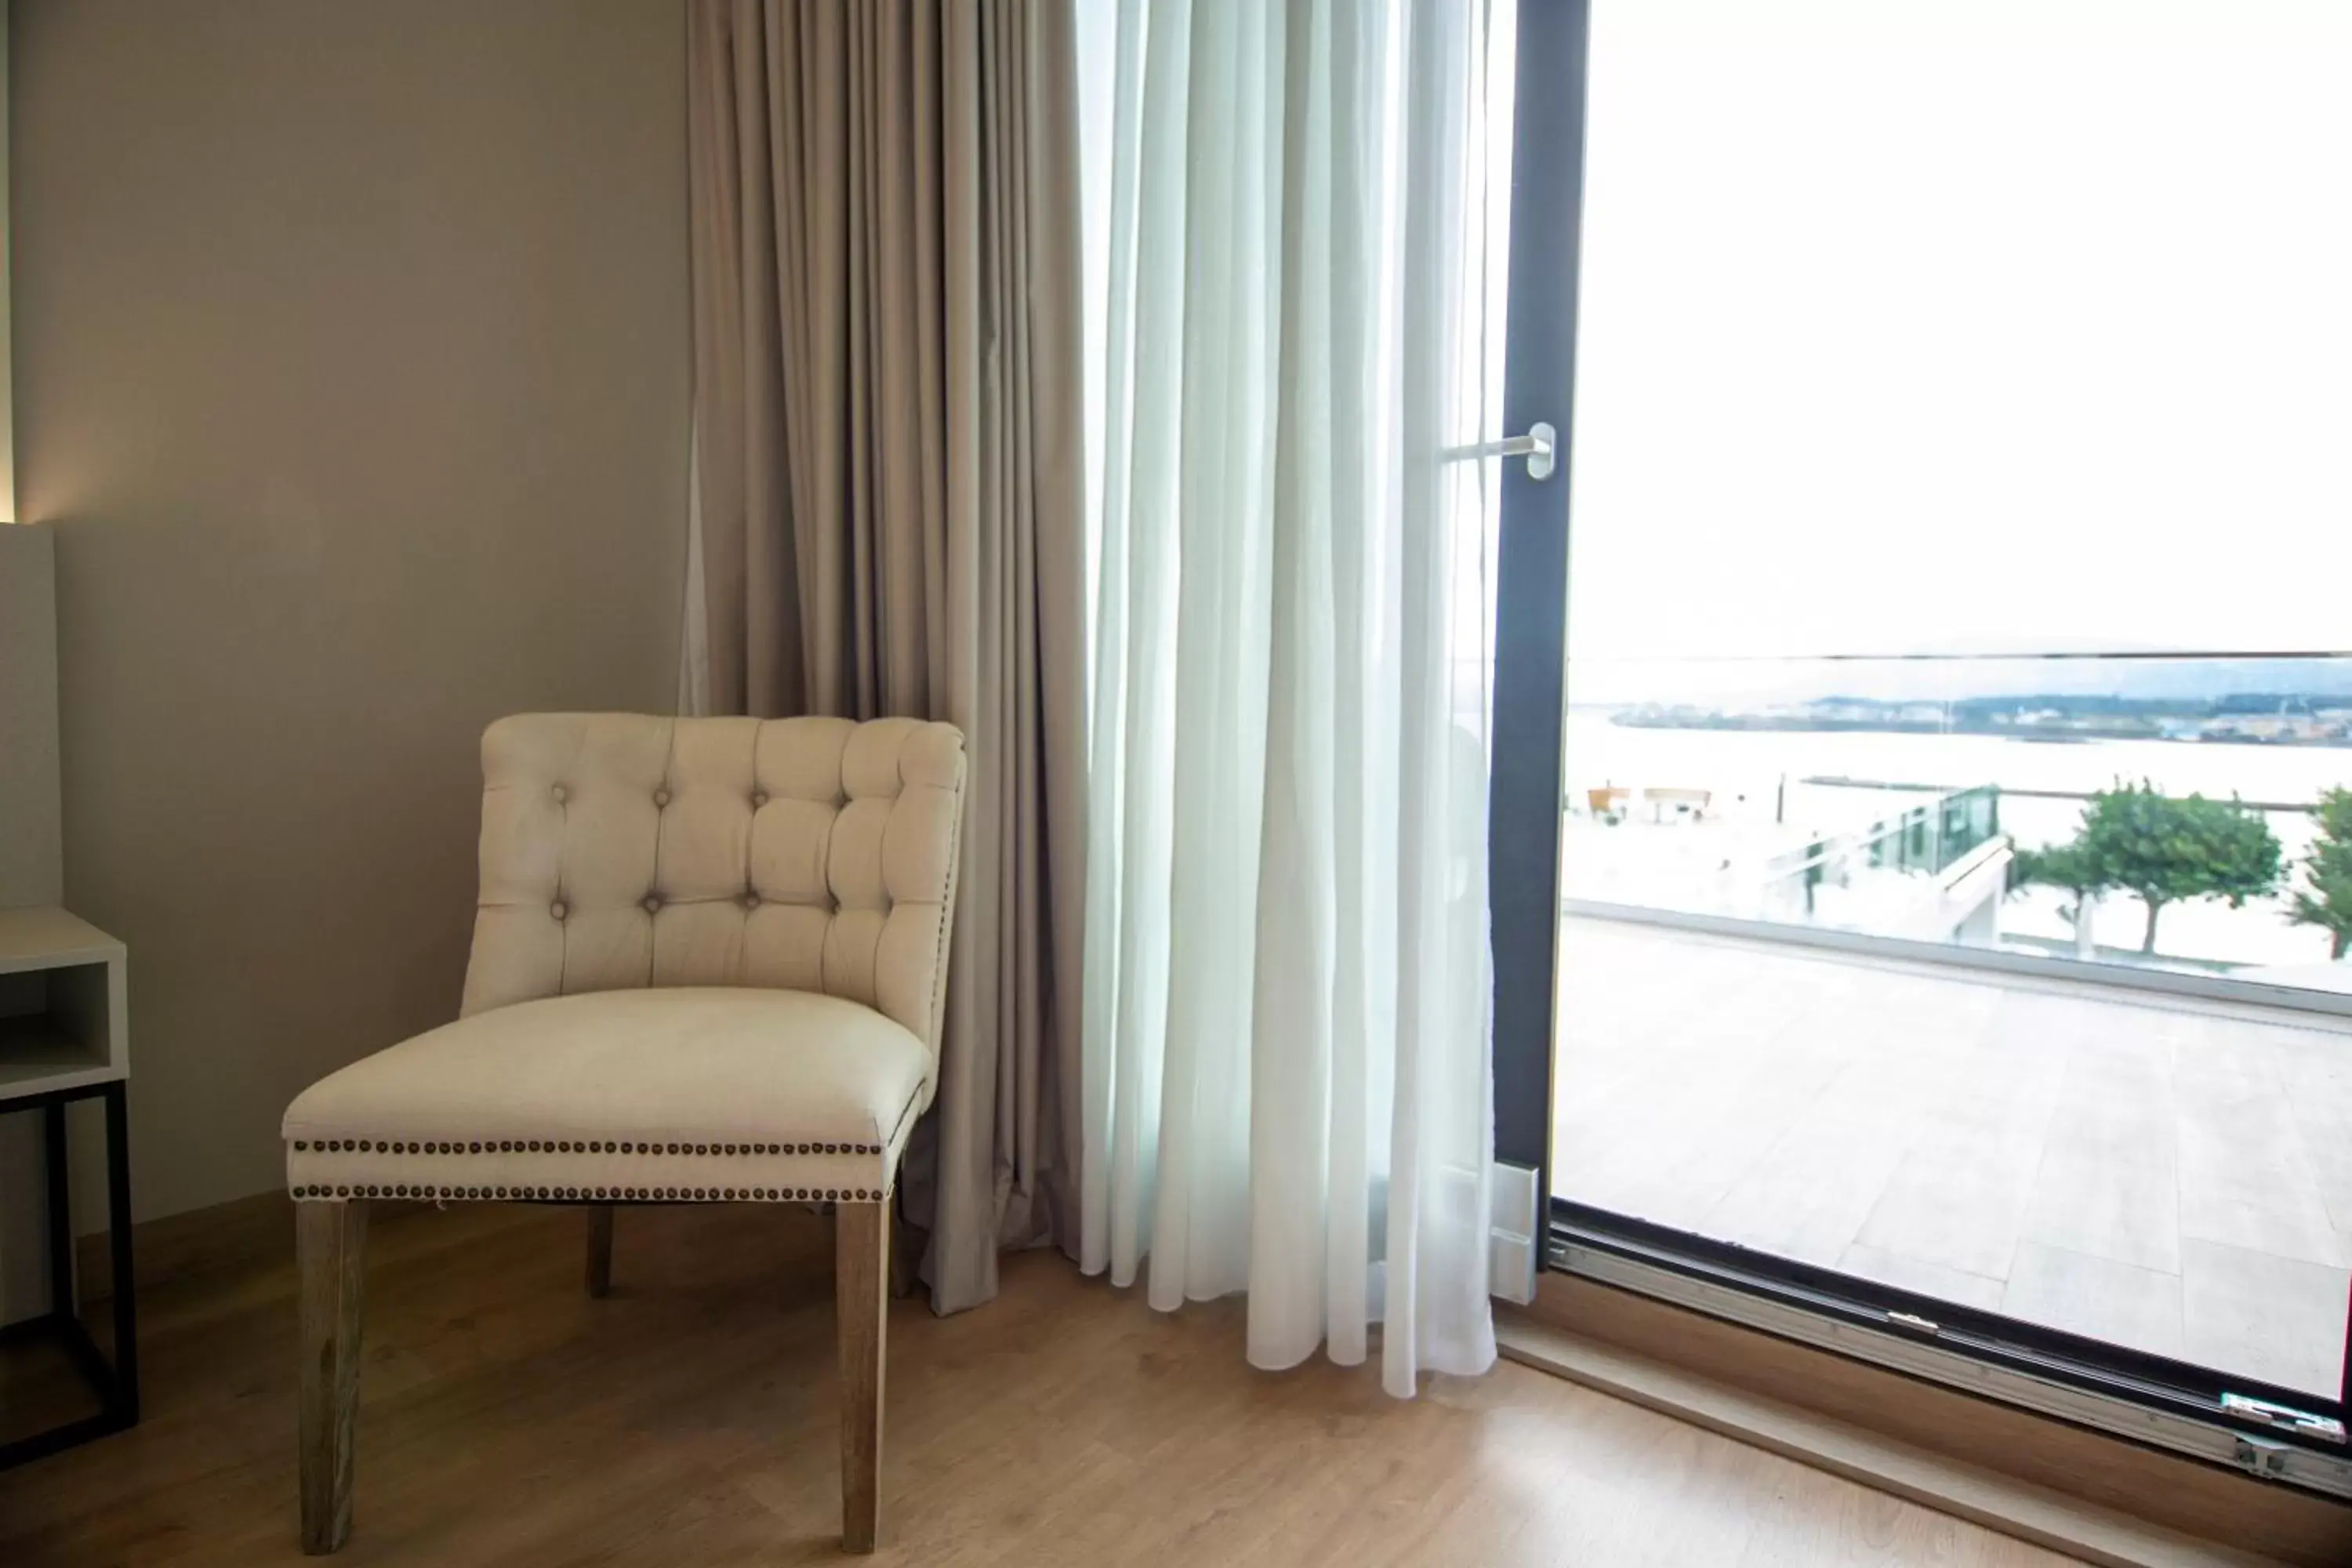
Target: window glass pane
x: 1962, y: 510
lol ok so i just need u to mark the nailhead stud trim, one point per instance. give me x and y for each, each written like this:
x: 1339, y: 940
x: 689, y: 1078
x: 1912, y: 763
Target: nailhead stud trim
x: 600, y: 1146
x: 540, y: 1146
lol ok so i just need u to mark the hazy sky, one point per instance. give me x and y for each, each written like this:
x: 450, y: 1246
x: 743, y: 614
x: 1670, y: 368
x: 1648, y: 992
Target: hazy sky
x: 1966, y: 324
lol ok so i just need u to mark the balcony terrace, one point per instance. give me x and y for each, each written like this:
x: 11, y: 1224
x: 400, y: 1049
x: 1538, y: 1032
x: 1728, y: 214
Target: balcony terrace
x: 2167, y: 1173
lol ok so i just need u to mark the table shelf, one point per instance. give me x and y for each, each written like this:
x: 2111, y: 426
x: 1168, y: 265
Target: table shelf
x: 61, y: 1004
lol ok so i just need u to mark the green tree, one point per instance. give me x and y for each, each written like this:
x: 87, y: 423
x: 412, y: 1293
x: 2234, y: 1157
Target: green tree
x: 2066, y: 868
x: 2063, y: 866
x: 2167, y: 850
x: 2328, y: 868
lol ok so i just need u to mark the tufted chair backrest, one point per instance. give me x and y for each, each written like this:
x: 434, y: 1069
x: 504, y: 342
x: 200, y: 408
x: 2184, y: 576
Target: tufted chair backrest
x: 621, y: 850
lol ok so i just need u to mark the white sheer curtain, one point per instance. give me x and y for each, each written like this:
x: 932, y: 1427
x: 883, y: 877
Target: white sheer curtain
x: 1288, y: 1084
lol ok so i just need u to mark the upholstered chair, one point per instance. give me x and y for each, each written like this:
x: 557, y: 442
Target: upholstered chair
x: 709, y: 963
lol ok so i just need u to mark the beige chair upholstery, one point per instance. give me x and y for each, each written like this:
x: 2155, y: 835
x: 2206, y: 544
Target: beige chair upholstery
x: 710, y: 964
x: 622, y: 1097
x: 643, y: 880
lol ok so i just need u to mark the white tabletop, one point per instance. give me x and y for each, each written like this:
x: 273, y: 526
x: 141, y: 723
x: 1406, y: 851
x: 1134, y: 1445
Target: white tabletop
x: 43, y: 936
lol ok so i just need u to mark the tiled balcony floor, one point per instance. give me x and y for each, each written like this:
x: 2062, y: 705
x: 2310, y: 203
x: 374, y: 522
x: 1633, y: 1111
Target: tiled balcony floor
x: 2175, y: 1176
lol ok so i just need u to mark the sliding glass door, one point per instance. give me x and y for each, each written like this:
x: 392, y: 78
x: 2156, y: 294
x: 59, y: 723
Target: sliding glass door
x: 1923, y: 779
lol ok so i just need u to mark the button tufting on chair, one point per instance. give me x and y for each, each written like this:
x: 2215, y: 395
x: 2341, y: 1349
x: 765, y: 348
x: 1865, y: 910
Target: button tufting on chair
x: 706, y: 1057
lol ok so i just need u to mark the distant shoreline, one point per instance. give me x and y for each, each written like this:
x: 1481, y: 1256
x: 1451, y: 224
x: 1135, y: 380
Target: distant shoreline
x: 2061, y: 732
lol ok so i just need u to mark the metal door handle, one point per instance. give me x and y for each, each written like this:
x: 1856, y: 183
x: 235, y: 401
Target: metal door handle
x: 1537, y: 446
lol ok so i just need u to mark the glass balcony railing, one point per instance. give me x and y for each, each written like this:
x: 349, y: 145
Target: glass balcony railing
x: 2183, y: 812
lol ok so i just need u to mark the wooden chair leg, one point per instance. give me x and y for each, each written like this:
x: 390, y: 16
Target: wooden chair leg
x: 600, y: 1249
x: 861, y: 1306
x: 330, y: 1254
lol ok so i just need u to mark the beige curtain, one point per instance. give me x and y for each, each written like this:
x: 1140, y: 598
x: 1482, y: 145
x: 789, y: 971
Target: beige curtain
x: 885, y: 218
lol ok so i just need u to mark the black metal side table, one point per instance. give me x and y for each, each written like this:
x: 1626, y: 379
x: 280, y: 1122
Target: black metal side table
x: 62, y: 1040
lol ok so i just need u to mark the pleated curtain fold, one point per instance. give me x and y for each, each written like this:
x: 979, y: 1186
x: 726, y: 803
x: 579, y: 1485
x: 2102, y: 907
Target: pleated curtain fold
x: 1289, y: 1067
x: 889, y: 489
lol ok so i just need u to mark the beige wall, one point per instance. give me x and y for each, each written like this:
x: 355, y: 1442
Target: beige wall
x: 351, y: 368
x: 32, y: 870
x: 7, y: 423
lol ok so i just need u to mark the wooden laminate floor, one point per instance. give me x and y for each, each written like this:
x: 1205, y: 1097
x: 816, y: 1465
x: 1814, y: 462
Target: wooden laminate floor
x: 689, y: 1417
x: 2172, y: 1176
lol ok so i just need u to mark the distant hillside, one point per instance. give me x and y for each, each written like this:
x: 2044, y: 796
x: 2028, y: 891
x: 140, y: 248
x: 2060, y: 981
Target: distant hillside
x: 2009, y: 706
x: 2200, y: 686
x: 2238, y: 718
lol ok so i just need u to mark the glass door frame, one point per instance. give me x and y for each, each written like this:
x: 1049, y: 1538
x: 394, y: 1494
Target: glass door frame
x: 2170, y: 1404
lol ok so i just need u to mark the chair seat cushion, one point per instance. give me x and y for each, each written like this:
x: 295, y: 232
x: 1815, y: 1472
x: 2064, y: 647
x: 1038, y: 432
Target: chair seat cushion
x: 653, y: 1095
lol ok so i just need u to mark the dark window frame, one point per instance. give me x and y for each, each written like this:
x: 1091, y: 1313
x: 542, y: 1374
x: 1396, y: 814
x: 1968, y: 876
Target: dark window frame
x: 1526, y: 796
